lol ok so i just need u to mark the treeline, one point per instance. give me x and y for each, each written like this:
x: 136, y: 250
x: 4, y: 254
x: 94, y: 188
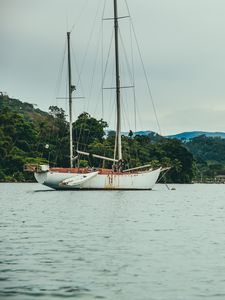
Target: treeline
x: 209, y: 155
x: 30, y: 135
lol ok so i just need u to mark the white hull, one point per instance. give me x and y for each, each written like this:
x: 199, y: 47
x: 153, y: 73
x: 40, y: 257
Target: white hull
x: 132, y: 181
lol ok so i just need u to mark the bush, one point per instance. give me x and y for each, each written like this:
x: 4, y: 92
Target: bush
x: 2, y: 176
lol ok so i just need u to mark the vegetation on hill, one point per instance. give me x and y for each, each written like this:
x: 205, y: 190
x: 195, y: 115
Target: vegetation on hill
x: 209, y: 153
x: 187, y: 136
x: 31, y: 135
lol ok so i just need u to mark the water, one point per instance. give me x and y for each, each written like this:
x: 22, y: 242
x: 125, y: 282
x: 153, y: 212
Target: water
x: 150, y: 245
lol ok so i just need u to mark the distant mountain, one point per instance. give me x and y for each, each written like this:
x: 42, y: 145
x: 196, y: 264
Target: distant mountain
x: 143, y: 132
x: 180, y: 136
x: 192, y: 134
x: 146, y: 132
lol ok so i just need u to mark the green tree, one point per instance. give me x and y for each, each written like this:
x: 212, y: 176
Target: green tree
x: 86, y: 129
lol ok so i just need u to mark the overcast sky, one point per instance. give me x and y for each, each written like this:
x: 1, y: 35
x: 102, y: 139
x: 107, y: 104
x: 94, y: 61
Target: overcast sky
x: 182, y: 44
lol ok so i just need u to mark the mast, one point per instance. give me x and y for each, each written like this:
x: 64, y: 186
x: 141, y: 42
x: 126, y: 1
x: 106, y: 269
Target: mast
x: 118, y: 126
x: 70, y: 101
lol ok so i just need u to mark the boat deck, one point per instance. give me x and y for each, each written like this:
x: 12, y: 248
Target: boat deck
x: 86, y: 171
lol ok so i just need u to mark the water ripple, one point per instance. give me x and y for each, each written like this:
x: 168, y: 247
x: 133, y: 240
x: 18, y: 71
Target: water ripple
x: 112, y: 245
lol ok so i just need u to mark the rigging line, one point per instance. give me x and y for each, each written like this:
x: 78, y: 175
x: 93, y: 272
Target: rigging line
x: 59, y: 79
x: 78, y: 134
x: 88, y: 44
x: 95, y: 64
x: 128, y: 119
x: 106, y: 66
x: 83, y: 62
x: 145, y: 73
x: 133, y: 79
x: 58, y: 152
x: 103, y: 10
x: 97, y: 103
x: 112, y: 102
x: 81, y: 14
x: 125, y: 93
x: 81, y: 129
x: 139, y: 118
x: 107, y: 59
x: 94, y: 68
x: 57, y: 87
x: 126, y: 56
x: 82, y: 66
x: 66, y: 103
x: 102, y: 58
x: 77, y: 68
x: 124, y: 116
x: 56, y: 138
x: 102, y: 70
x: 163, y: 176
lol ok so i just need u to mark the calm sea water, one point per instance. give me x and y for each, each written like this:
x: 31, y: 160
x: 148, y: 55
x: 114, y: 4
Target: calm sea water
x: 127, y: 245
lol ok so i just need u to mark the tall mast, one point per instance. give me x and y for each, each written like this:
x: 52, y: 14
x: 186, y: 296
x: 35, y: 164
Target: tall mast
x: 70, y: 101
x: 118, y: 126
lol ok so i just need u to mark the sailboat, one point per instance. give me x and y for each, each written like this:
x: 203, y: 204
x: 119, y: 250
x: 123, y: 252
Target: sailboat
x: 116, y: 178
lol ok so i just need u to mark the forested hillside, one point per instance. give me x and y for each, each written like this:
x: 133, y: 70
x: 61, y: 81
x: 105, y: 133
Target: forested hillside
x: 31, y: 135
x: 209, y: 153
x: 187, y: 136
